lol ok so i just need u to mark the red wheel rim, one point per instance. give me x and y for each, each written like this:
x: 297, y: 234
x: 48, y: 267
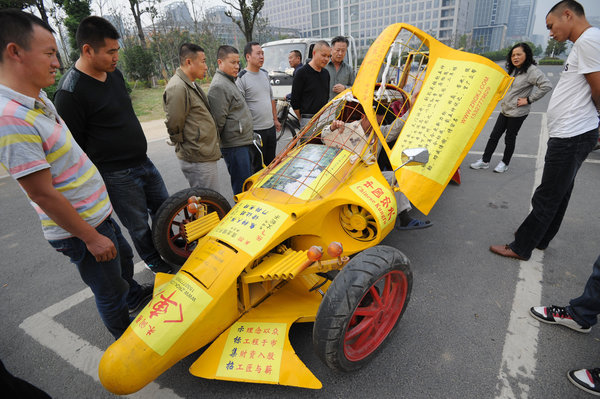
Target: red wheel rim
x: 375, y: 315
x: 175, y: 239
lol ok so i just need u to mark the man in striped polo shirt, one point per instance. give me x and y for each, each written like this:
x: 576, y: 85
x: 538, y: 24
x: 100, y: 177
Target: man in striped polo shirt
x: 63, y: 185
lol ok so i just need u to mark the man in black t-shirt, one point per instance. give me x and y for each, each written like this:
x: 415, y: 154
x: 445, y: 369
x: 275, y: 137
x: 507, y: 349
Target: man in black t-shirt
x: 310, y: 89
x: 93, y: 100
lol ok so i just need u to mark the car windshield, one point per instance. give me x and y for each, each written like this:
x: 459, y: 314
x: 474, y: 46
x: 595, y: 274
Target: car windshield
x: 276, y: 56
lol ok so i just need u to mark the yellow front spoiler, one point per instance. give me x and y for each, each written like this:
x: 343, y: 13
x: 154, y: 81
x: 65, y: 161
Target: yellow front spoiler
x: 257, y: 347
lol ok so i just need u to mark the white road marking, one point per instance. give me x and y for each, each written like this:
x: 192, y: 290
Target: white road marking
x: 73, y: 349
x: 520, y: 344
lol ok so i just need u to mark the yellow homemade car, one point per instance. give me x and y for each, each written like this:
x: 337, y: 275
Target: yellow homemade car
x: 301, y: 243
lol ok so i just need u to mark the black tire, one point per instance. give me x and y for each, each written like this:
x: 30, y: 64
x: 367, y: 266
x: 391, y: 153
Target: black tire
x: 283, y: 118
x: 288, y: 123
x: 173, y: 213
x: 339, y: 325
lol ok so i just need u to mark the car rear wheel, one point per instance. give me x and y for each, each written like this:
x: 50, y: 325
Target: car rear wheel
x: 173, y: 215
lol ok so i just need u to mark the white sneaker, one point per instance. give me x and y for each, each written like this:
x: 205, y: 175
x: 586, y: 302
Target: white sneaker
x: 480, y: 164
x: 501, y: 168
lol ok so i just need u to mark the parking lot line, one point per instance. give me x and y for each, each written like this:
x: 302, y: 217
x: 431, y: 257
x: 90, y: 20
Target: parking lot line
x: 520, y: 344
x: 76, y: 351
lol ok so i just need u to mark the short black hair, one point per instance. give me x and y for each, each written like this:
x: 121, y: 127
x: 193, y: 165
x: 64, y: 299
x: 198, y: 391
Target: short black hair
x: 16, y: 26
x: 342, y: 39
x: 188, y: 50
x: 571, y: 5
x: 297, y: 53
x: 248, y: 48
x: 93, y: 30
x: 224, y: 51
x: 320, y: 44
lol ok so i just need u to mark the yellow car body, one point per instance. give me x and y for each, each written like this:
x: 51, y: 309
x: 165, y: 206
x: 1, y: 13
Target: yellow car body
x: 253, y: 273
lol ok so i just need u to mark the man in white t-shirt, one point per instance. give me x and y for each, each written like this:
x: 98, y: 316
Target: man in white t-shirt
x: 572, y: 128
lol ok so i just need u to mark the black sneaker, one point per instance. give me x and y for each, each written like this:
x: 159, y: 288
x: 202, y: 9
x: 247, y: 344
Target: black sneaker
x: 159, y: 266
x: 556, y: 315
x: 588, y: 380
x: 143, y: 296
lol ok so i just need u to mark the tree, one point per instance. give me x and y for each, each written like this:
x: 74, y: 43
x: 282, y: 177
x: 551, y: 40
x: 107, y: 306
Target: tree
x: 555, y: 48
x: 139, y: 63
x: 76, y: 11
x: 137, y: 17
x: 248, y: 15
x: 18, y: 4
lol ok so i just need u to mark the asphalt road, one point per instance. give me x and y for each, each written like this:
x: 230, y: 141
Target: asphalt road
x: 463, y: 335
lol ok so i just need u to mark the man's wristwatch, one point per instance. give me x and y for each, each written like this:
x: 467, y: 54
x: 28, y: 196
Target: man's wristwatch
x: 528, y: 100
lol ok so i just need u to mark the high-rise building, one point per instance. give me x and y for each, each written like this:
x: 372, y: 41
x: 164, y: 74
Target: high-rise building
x: 490, y: 24
x: 446, y: 20
x: 520, y: 21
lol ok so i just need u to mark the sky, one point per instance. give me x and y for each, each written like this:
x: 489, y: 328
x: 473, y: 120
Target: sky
x: 592, y: 8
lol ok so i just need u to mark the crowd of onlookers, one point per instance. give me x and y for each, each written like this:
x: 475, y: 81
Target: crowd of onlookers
x: 85, y: 154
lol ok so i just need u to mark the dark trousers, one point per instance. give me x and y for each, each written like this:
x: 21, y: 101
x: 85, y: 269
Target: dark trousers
x: 135, y: 194
x: 269, y: 148
x: 586, y: 308
x: 13, y: 387
x: 239, y: 165
x: 503, y: 124
x: 551, y: 198
x: 112, y: 281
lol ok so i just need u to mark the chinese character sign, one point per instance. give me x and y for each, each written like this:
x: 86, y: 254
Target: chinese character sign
x: 380, y: 198
x: 170, y: 313
x: 253, y: 351
x: 249, y: 226
x: 449, y: 112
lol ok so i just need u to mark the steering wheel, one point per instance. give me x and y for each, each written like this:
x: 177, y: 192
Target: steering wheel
x: 398, y: 105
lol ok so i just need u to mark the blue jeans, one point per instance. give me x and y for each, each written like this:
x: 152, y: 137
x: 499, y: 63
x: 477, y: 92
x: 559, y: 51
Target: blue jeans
x: 111, y: 282
x: 511, y: 126
x: 239, y: 165
x: 136, y: 193
x: 585, y: 309
x: 551, y: 198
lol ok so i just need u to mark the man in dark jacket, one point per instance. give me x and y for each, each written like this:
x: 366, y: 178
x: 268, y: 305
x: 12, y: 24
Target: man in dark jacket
x: 191, y: 127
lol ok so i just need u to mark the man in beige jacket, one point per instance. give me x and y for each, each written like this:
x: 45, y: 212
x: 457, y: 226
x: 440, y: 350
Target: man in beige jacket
x: 191, y: 127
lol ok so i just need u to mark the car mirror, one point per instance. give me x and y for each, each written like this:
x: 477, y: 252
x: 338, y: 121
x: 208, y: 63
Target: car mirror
x: 415, y: 156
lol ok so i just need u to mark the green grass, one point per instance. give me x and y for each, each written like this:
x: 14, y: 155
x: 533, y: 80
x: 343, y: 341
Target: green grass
x: 147, y: 103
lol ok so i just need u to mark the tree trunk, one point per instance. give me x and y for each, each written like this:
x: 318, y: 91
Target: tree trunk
x: 135, y: 10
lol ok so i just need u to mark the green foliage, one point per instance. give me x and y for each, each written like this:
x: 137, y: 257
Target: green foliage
x: 76, y: 11
x: 139, y: 63
x: 499, y: 55
x: 551, y: 61
x: 555, y: 48
x: 18, y: 4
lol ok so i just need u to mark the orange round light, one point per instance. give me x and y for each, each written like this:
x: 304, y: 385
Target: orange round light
x: 335, y: 249
x: 192, y: 208
x: 314, y: 253
x: 193, y: 200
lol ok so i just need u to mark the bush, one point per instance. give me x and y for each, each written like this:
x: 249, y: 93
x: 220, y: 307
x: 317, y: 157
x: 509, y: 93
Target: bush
x: 550, y: 61
x: 499, y: 55
x: 128, y: 86
x: 139, y: 62
x: 161, y: 82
